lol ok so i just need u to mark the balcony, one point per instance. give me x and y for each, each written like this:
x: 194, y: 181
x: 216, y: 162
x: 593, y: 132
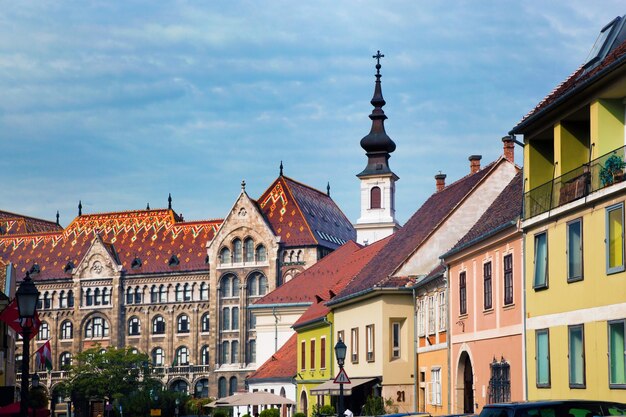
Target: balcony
x: 575, y: 184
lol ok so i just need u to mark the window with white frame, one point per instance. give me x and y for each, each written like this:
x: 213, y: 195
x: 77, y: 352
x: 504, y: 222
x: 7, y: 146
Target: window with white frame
x: 44, y: 331
x: 420, y: 317
x: 442, y: 311
x: 354, y: 345
x: 369, y: 342
x: 434, y: 387
x: 431, y: 315
x: 396, y: 327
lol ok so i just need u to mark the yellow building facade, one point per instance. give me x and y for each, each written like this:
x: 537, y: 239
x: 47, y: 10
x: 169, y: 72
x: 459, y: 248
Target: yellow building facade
x: 573, y: 223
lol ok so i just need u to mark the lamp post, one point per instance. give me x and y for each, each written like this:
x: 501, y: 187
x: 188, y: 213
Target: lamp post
x: 26, y: 296
x: 340, y: 354
x: 176, y: 409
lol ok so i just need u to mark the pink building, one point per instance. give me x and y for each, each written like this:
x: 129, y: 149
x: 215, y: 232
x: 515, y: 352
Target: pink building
x: 486, y: 307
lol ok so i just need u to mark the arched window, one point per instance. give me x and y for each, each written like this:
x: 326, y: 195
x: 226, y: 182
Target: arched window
x: 134, y: 326
x: 225, y: 286
x: 129, y: 295
x: 235, y: 286
x: 106, y: 296
x: 65, y: 360
x: 248, y: 249
x: 253, y: 285
x: 375, y: 197
x: 162, y: 294
x: 67, y: 330
x: 96, y: 327
x: 70, y: 298
x: 44, y: 331
x: 96, y: 296
x: 180, y: 386
x: 232, y: 386
x: 187, y: 292
x: 225, y: 352
x: 182, y: 323
x: 88, y: 297
x: 202, y: 388
x: 158, y: 357
x: 234, y: 323
x: 204, y: 291
x: 234, y: 351
x: 182, y: 356
x: 154, y: 294
x: 252, y: 351
x: 237, y: 251
x: 225, y: 256
x: 299, y: 256
x: 47, y: 300
x: 204, y: 355
x: 62, y: 299
x: 205, y: 323
x: 138, y: 295
x: 226, y: 318
x: 221, y: 387
x: 178, y: 293
x: 262, y: 285
x: 261, y: 254
x: 158, y: 325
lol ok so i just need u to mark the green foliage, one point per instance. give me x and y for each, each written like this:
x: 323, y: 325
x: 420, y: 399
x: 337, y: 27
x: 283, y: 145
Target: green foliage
x: 38, y: 398
x: 246, y: 415
x: 324, y: 410
x: 221, y: 412
x: 374, y: 406
x: 270, y: 412
x: 299, y: 414
x: 613, y: 166
x: 196, y: 405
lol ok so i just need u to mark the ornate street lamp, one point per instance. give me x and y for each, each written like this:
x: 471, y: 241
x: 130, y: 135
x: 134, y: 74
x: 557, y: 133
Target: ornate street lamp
x: 26, y: 296
x: 340, y: 354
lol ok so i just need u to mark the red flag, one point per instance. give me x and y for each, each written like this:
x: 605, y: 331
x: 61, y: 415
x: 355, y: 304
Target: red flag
x: 11, y: 316
x: 43, y: 356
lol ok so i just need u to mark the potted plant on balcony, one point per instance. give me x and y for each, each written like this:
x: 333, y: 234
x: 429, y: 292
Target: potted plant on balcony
x: 612, y: 171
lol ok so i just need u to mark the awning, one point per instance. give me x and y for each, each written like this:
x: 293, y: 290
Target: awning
x: 330, y: 388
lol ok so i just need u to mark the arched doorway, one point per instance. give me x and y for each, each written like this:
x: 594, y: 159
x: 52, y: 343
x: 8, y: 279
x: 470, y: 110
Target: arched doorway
x: 304, y: 404
x: 465, y: 384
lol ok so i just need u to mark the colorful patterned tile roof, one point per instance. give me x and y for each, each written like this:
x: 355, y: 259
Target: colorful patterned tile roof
x: 18, y: 224
x: 503, y: 212
x: 574, y: 83
x: 440, y: 205
x: 282, y: 364
x: 151, y: 235
x: 304, y: 216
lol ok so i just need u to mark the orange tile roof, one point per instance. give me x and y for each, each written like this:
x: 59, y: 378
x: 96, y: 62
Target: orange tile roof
x: 282, y: 364
x: 18, y: 224
x: 151, y: 235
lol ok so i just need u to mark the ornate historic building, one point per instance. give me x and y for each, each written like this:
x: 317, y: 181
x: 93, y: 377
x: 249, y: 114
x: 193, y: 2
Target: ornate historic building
x: 174, y: 289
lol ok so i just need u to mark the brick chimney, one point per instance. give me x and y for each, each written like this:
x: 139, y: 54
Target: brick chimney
x: 441, y: 181
x: 509, y: 148
x: 475, y: 163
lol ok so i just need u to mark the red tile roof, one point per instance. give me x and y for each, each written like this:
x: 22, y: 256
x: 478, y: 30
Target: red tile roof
x: 302, y: 215
x: 575, y: 82
x: 151, y: 235
x: 282, y: 364
x: 439, y: 206
x: 18, y: 224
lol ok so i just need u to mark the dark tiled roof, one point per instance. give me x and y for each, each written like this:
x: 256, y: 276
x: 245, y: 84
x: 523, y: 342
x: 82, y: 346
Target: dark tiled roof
x: 282, y: 364
x: 504, y: 211
x: 440, y: 205
x: 17, y: 224
x: 153, y: 236
x: 302, y: 215
x: 575, y: 82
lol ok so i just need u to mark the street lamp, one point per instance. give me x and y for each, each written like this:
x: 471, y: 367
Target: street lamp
x: 26, y: 296
x: 340, y: 354
x: 176, y: 409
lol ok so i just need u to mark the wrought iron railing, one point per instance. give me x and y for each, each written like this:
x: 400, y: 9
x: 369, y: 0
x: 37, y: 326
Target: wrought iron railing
x: 577, y: 183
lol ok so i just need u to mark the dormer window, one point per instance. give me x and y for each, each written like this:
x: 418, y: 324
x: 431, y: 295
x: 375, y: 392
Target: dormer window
x: 611, y: 35
x: 35, y: 269
x: 68, y: 267
x: 136, y: 263
x: 173, y: 261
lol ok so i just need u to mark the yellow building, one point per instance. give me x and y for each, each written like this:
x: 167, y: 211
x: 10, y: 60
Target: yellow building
x: 573, y: 223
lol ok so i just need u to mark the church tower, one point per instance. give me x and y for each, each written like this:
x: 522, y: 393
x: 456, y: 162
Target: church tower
x: 378, y: 211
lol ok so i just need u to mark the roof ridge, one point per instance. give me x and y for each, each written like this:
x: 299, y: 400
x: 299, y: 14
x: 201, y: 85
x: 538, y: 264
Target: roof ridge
x: 23, y: 216
x: 305, y: 186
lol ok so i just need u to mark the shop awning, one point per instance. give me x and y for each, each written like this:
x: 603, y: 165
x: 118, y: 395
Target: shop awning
x: 330, y: 388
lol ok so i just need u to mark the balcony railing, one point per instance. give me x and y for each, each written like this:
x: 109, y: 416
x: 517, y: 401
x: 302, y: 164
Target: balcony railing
x: 577, y: 183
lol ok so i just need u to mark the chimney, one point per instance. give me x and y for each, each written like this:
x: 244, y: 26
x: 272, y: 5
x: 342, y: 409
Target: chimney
x: 509, y: 148
x: 475, y: 163
x: 441, y: 181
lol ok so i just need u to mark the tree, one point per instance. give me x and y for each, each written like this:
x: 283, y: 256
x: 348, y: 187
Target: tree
x: 119, y: 375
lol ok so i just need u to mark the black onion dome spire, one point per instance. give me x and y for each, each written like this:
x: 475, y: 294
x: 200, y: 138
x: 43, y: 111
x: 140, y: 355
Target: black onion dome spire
x: 377, y: 144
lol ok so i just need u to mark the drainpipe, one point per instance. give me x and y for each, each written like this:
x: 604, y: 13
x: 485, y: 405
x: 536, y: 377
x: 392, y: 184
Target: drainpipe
x: 275, y: 329
x: 415, y: 375
x: 446, y: 274
x: 332, y: 346
x: 524, y: 367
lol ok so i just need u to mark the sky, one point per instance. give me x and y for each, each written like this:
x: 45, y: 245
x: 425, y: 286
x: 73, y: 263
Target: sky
x: 118, y: 103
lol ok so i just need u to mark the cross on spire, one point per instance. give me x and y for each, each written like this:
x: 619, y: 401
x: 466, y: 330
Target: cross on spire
x: 377, y: 58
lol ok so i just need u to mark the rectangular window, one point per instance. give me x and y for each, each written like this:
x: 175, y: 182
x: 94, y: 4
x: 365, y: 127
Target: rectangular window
x: 462, y: 294
x: 369, y: 342
x: 354, y: 345
x: 508, y: 280
x: 435, y: 387
x: 487, y: 290
x: 420, y: 317
x: 617, y: 354
x: 576, y: 356
x: 500, y: 382
x: 431, y: 315
x: 542, y: 352
x: 341, y: 336
x: 312, y: 348
x: 303, y: 355
x: 575, y: 250
x: 541, y: 261
x: 442, y: 311
x: 615, y: 238
x: 395, y: 339
x: 323, y: 353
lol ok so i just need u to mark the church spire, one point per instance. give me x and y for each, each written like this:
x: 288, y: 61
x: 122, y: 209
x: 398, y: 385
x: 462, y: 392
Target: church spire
x: 377, y: 144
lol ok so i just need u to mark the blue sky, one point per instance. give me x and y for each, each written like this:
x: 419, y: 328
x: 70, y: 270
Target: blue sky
x: 118, y: 103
